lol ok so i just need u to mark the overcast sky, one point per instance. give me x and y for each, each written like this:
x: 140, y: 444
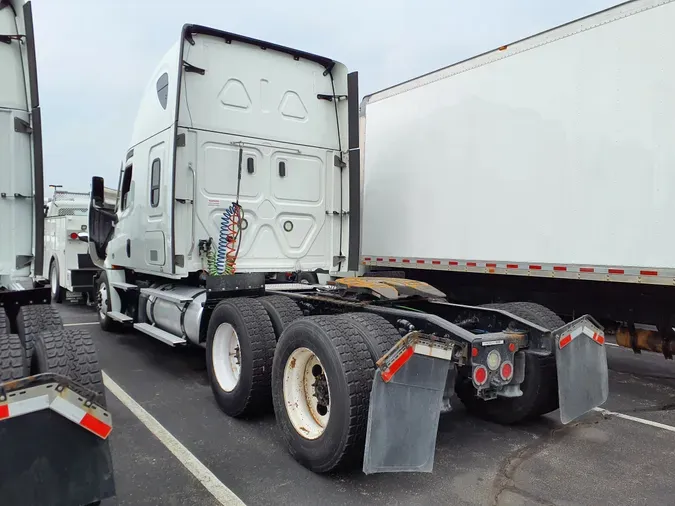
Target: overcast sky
x: 95, y: 56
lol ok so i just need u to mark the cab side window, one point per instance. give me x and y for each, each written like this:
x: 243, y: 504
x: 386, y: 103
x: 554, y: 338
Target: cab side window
x: 126, y: 186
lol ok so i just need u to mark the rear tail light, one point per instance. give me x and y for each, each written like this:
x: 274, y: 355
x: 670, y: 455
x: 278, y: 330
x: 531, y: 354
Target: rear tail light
x: 74, y: 236
x: 474, y: 352
x: 480, y: 375
x: 506, y: 372
x: 512, y: 347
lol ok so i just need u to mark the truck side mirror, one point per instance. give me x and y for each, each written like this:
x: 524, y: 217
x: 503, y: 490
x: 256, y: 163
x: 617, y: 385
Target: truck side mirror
x: 97, y: 192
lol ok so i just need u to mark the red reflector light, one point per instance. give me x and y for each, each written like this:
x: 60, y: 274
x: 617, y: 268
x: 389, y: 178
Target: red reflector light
x: 474, y: 352
x: 564, y: 341
x: 512, y: 347
x: 397, y: 364
x: 506, y: 371
x: 480, y: 375
x: 73, y: 236
x: 96, y: 426
x: 599, y: 338
x: 4, y: 412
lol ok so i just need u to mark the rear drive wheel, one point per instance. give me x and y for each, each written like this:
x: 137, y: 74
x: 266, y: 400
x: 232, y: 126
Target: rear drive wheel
x: 282, y: 311
x: 31, y: 320
x: 540, y: 386
x: 239, y: 353
x: 321, y: 380
x: 12, y: 357
x: 50, y: 353
x: 379, y: 335
x: 83, y: 360
x: 56, y: 288
x: 103, y: 303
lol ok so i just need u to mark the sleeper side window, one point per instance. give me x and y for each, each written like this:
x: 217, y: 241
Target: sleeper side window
x: 155, y: 177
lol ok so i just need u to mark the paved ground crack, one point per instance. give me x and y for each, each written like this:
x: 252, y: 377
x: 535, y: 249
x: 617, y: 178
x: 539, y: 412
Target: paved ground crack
x: 504, y: 481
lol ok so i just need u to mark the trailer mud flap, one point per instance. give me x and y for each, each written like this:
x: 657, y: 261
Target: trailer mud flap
x: 403, y: 417
x: 581, y: 362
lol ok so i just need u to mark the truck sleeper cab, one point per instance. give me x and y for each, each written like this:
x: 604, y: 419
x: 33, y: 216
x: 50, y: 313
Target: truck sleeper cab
x: 245, y: 162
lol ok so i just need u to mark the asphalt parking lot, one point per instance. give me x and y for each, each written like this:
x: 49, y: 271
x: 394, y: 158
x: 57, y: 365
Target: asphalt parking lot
x: 601, y: 459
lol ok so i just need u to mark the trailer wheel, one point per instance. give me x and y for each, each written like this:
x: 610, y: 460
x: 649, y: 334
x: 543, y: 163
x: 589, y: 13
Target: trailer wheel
x: 378, y: 334
x: 31, y: 320
x: 50, y: 353
x: 239, y: 352
x: 12, y: 358
x: 103, y: 303
x: 83, y: 361
x: 56, y: 288
x: 540, y: 386
x: 321, y: 381
x: 308, y: 278
x: 282, y: 311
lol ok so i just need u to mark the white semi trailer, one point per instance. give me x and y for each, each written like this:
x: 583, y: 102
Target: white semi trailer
x: 244, y: 162
x: 54, y: 427
x: 540, y: 171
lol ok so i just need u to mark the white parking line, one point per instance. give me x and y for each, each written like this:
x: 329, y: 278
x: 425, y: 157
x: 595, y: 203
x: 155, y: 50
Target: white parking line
x: 222, y: 494
x: 612, y: 344
x: 76, y: 324
x: 658, y: 425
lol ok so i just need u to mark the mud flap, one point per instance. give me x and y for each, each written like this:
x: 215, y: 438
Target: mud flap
x: 403, y: 417
x: 581, y: 362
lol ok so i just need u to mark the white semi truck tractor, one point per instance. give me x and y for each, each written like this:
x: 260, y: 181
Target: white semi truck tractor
x: 54, y: 427
x: 244, y: 161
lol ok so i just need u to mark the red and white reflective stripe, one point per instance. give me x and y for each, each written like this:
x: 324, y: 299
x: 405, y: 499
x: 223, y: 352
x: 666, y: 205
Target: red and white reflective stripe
x: 24, y: 406
x: 574, y: 271
x: 389, y: 372
x: 81, y: 417
x: 63, y: 401
x: 588, y: 332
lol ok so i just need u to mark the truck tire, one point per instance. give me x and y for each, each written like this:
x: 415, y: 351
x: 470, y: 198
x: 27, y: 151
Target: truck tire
x: 308, y: 278
x: 83, y: 362
x: 103, y: 304
x: 282, y: 311
x: 57, y: 290
x: 322, y: 358
x: 50, y: 353
x: 12, y: 358
x: 540, y: 386
x: 378, y: 334
x: 4, y: 322
x: 31, y: 320
x: 239, y: 353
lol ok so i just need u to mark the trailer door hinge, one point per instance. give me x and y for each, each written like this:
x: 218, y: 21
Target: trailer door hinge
x: 322, y: 96
x: 180, y: 141
x: 22, y: 126
x: 339, y: 162
x: 191, y: 68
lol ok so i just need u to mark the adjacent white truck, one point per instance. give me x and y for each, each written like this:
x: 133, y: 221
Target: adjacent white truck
x: 66, y: 257
x: 543, y: 171
x: 244, y: 161
x: 53, y: 422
